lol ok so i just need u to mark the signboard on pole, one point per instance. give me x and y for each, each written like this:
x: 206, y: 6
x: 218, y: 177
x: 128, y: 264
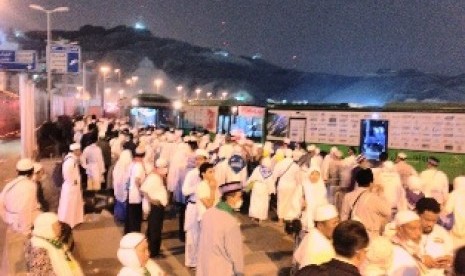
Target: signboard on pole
x: 65, y: 59
x: 11, y: 60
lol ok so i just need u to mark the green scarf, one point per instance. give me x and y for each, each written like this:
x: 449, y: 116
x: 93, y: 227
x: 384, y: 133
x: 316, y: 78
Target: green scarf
x: 225, y: 207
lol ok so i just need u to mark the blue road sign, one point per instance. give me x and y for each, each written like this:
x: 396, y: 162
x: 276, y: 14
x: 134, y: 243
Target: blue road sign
x: 18, y: 60
x: 65, y: 59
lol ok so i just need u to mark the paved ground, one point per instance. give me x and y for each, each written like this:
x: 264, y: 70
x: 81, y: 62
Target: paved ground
x: 267, y: 250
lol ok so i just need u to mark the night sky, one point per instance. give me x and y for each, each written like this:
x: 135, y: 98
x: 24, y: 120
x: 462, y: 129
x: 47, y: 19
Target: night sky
x: 351, y: 37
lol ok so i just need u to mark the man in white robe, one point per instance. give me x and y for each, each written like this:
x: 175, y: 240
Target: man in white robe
x: 435, y: 182
x: 288, y: 186
x: 406, y: 252
x: 390, y: 181
x: 71, y: 204
x: 92, y: 161
x: 221, y: 239
x: 263, y: 184
x: 18, y: 209
x: 191, y: 224
x: 316, y: 247
x: 456, y: 205
x: 404, y: 169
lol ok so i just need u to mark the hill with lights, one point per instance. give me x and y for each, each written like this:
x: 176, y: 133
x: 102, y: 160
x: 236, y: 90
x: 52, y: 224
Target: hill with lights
x: 194, y: 66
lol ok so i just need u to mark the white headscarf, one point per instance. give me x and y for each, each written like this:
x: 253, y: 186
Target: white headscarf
x: 127, y: 250
x: 128, y: 257
x: 121, y: 173
x: 42, y: 235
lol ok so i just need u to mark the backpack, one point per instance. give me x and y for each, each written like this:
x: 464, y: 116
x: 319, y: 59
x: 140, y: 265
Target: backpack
x: 57, y: 173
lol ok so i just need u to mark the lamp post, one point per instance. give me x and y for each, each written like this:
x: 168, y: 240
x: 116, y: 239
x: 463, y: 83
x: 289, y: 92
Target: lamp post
x: 177, y: 105
x: 197, y: 91
x: 104, y: 70
x: 117, y: 71
x: 47, y: 51
x: 224, y: 95
x: 179, y: 89
x: 84, y: 71
x: 158, y: 82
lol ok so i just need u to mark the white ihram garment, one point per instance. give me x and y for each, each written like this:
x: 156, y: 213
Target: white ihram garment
x: 71, y: 204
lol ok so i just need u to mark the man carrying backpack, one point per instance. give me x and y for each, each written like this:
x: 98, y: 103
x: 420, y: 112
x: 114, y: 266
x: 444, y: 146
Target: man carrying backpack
x: 71, y: 204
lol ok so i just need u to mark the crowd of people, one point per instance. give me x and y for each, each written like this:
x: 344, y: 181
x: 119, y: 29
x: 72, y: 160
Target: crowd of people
x: 348, y: 215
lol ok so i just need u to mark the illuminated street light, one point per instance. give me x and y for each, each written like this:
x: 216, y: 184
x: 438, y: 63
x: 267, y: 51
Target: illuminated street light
x: 117, y: 71
x: 104, y: 70
x: 135, y: 102
x: 224, y: 95
x: 177, y: 105
x: 158, y: 82
x: 209, y: 94
x: 134, y: 78
x: 197, y: 91
x: 49, y: 42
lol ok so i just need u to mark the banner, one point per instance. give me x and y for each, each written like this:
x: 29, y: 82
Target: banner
x: 201, y: 117
x: 251, y: 111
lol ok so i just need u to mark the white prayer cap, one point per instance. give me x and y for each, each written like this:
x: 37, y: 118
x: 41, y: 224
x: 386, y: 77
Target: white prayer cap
x: 101, y: 134
x: 266, y: 162
x: 178, y: 132
x: 288, y: 153
x: 43, y: 225
x: 325, y: 212
x: 338, y: 153
x: 459, y: 183
x: 201, y: 152
x: 74, y: 146
x: 402, y: 155
x: 161, y: 163
x: 127, y: 249
x: 37, y: 167
x: 380, y: 252
x: 25, y: 164
x: 406, y: 216
x: 287, y: 141
x: 414, y: 183
x: 311, y: 148
x: 333, y: 150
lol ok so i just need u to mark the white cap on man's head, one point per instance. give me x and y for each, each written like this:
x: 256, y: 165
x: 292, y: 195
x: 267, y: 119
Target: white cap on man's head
x: 25, y: 164
x: 74, y: 146
x: 325, y: 212
x: 201, y: 152
x: 402, y: 155
x: 311, y: 148
x: 406, y: 216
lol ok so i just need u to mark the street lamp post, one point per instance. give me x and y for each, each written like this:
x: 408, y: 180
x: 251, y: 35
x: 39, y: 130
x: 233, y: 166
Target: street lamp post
x: 47, y: 51
x: 84, y: 71
x: 197, y: 91
x: 104, y: 70
x: 158, y: 83
x: 179, y: 89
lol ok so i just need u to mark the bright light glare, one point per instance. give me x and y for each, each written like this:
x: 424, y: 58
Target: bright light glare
x: 135, y: 102
x: 177, y: 105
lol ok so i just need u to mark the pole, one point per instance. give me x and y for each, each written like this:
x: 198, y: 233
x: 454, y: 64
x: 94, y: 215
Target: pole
x: 49, y: 71
x: 103, y: 96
